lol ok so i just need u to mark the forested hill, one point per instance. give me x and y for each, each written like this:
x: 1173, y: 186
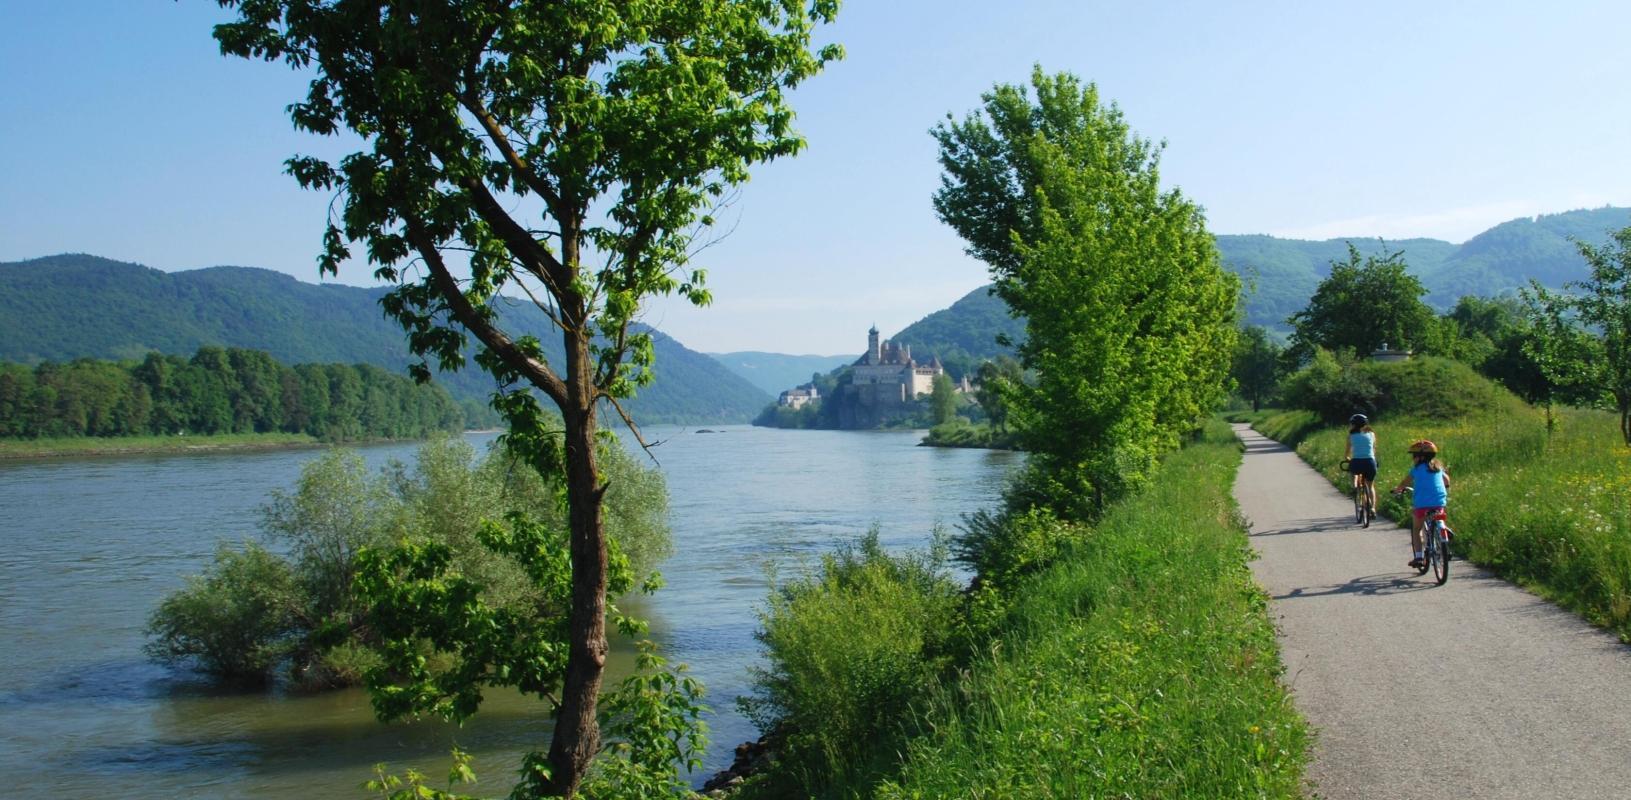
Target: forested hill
x: 63, y: 307
x: 1283, y: 272
x: 964, y: 334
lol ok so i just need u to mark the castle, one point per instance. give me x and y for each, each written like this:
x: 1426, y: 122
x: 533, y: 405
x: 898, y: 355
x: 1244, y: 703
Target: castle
x: 890, y: 367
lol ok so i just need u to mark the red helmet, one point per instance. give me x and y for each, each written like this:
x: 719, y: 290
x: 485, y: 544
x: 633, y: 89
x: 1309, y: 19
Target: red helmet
x: 1424, y: 447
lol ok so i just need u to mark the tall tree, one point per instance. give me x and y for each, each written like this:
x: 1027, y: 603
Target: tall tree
x: 943, y: 399
x: 1365, y: 302
x: 1256, y: 367
x: 1130, y: 317
x: 569, y: 152
x: 997, y: 379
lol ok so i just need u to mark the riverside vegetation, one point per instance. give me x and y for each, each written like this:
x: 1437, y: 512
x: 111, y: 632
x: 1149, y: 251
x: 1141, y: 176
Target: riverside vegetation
x: 218, y: 392
x: 1132, y: 657
x: 283, y: 609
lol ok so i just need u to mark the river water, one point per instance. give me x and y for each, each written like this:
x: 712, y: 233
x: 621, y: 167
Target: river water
x: 88, y: 547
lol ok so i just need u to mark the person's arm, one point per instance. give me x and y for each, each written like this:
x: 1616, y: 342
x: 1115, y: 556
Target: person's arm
x: 1348, y: 452
x: 1409, y: 480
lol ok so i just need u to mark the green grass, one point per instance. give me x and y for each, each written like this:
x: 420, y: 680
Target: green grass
x: 1550, y: 512
x: 1142, y: 663
x: 96, y: 445
x: 1139, y: 663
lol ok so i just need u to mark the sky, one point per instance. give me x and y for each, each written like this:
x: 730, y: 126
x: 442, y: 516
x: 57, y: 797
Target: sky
x: 125, y: 134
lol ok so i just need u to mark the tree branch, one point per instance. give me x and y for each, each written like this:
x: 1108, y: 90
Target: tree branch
x: 497, y: 341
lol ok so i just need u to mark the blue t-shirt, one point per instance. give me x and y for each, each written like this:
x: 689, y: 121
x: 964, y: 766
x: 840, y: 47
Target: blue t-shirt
x: 1430, y: 489
x: 1363, y: 443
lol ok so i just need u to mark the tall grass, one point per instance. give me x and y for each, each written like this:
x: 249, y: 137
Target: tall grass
x: 1141, y: 664
x: 1552, y: 512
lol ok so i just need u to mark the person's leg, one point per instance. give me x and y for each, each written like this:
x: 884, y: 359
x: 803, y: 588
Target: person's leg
x: 1415, y: 534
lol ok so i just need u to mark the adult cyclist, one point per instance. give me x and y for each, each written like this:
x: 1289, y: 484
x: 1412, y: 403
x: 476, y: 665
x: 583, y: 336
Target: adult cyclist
x: 1361, y: 455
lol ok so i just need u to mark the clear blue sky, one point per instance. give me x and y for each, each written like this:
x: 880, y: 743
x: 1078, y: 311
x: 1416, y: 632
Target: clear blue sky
x: 126, y: 135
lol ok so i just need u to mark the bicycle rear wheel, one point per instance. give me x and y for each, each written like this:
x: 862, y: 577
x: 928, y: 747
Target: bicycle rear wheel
x: 1440, y: 549
x: 1359, y: 504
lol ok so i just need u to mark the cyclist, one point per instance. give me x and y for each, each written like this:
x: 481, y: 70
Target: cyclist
x: 1361, y: 455
x: 1431, y: 482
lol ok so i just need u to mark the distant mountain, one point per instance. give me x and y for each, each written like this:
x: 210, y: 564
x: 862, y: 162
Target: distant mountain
x: 70, y: 306
x: 778, y: 372
x: 1281, y: 274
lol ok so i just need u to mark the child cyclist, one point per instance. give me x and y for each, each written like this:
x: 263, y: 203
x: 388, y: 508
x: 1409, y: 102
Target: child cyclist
x: 1361, y: 455
x: 1432, y: 489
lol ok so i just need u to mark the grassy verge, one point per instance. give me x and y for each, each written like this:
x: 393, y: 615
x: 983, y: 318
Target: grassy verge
x: 963, y: 434
x: 1138, y: 662
x: 1551, y: 512
x: 129, y: 445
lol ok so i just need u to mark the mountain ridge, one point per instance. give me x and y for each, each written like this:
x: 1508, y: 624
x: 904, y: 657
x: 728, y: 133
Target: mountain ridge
x: 75, y: 305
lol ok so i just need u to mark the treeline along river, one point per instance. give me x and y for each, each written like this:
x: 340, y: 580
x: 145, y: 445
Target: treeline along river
x: 89, y: 546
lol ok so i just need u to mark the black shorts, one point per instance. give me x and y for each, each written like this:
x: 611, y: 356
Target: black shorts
x: 1363, y: 466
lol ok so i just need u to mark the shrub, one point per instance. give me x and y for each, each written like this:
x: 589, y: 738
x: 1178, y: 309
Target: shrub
x: 1002, y: 548
x: 1426, y: 386
x: 236, y: 621
x: 848, y: 648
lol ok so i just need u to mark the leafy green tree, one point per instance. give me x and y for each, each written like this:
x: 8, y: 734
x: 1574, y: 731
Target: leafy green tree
x: 1256, y: 367
x: 997, y: 380
x: 1130, y: 317
x: 1604, y: 307
x: 566, y: 151
x: 1365, y: 302
x: 1565, y: 355
x: 237, y: 621
x: 943, y: 399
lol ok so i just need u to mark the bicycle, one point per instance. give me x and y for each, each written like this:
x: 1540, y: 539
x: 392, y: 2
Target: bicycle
x: 1364, y: 509
x: 1435, y: 551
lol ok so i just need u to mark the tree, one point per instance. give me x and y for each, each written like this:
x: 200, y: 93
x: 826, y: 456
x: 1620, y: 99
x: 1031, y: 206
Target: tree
x: 569, y: 152
x: 1130, y: 317
x: 943, y: 399
x: 1365, y: 302
x: 1256, y: 367
x: 997, y: 379
x: 1604, y: 306
x: 1562, y: 353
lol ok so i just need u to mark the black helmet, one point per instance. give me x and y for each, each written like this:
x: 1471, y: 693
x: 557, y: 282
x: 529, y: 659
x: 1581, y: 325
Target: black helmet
x: 1358, y: 419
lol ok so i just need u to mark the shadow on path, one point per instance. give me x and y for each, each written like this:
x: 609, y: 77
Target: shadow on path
x: 1375, y: 585
x: 1322, y: 525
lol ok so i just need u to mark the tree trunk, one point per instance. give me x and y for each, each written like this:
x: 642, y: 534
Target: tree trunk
x: 577, y: 733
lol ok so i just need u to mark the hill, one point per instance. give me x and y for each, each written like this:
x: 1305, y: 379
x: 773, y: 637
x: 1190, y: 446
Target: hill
x: 1281, y: 273
x: 963, y: 334
x: 64, y: 307
x: 778, y: 372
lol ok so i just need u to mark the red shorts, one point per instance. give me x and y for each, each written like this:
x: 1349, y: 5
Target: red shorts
x: 1423, y: 513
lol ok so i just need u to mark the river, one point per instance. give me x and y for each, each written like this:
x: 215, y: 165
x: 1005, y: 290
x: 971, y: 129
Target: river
x: 88, y: 547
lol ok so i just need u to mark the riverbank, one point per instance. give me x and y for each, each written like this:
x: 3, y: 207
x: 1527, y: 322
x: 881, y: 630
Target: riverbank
x: 1131, y: 658
x: 145, y: 445
x: 963, y: 434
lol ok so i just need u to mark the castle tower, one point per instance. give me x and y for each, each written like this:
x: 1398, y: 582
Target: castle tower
x: 874, y: 354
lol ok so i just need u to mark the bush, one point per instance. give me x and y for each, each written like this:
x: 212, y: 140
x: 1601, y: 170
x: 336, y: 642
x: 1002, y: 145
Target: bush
x: 1002, y: 548
x: 236, y: 622
x: 1426, y: 386
x: 849, y: 648
x: 336, y: 509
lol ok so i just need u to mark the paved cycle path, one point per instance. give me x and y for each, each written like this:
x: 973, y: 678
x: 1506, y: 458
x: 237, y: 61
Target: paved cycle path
x: 1474, y: 689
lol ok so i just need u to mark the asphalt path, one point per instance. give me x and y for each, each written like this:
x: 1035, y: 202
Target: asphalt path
x: 1474, y: 689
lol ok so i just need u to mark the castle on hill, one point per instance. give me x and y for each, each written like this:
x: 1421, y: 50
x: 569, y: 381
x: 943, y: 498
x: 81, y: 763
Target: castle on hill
x: 891, y: 368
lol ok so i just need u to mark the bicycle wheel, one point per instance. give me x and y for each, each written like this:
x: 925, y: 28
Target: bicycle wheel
x: 1441, y: 554
x: 1359, y: 504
